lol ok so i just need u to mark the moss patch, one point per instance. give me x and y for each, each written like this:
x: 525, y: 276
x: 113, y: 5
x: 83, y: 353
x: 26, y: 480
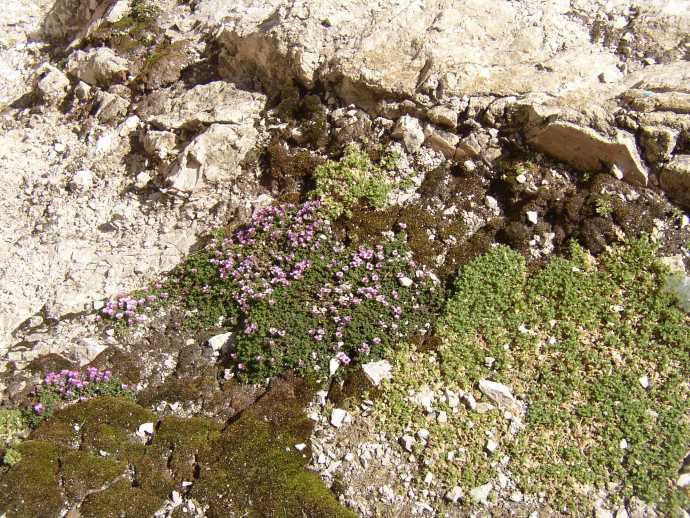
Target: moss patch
x: 30, y: 487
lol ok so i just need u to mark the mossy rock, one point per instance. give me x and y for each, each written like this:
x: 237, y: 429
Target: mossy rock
x: 253, y: 466
x: 121, y: 500
x: 49, y: 363
x: 82, y: 472
x: 123, y: 366
x: 115, y: 441
x: 30, y: 487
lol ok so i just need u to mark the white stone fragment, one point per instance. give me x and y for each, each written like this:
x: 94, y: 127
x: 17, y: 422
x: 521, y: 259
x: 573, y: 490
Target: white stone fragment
x: 333, y: 365
x: 532, y: 216
x: 338, y: 416
x: 377, y: 371
x: 683, y: 480
x: 218, y: 342
x: 491, y: 445
x: 644, y: 381
x: 480, y: 494
x: 502, y: 396
x: 145, y: 429
x: 405, y: 282
x: 455, y: 494
x: 300, y: 447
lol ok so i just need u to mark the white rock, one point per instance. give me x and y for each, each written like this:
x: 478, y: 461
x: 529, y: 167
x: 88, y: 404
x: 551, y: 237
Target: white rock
x: 423, y: 434
x: 502, y: 396
x: 218, y: 342
x: 142, y: 180
x: 622, y: 512
x: 469, y: 401
x: 683, y: 480
x: 442, y: 417
x: 333, y: 365
x: 623, y: 444
x: 516, y: 497
x: 82, y: 179
x: 491, y: 445
x: 407, y: 442
x: 428, y: 478
x: 533, y: 216
x: 338, y: 416
x: 410, y: 130
x: 98, y: 67
x: 455, y: 494
x: 480, y: 494
x: 425, y: 398
x: 405, y: 282
x: 644, y: 381
x: 378, y: 371
x: 52, y: 84
x: 469, y: 165
x: 300, y: 447
x: 492, y: 204
x: 600, y: 512
x: 145, y: 429
x: 521, y: 178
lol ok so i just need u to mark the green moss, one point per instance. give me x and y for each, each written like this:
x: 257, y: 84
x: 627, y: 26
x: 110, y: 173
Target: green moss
x: 121, y: 499
x: 30, y: 487
x: 253, y: 466
x: 82, y: 472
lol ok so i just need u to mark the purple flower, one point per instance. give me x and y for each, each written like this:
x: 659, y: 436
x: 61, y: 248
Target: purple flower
x: 38, y: 408
x: 343, y: 358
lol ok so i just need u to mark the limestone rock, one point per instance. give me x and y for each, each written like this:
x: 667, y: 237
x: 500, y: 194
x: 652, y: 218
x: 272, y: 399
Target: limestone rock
x: 159, y: 144
x: 586, y: 149
x: 675, y: 180
x: 501, y: 396
x: 481, y: 494
x: 98, y: 67
x: 52, y: 84
x: 68, y: 17
x: 111, y: 108
x: 658, y: 142
x: 443, y: 116
x: 410, y: 130
x: 215, y: 155
x: 377, y: 371
x: 216, y: 102
x: 441, y: 140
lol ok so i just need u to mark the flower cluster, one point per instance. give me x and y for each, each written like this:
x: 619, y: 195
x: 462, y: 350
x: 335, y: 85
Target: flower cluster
x: 305, y: 297
x: 67, y: 386
x: 131, y: 309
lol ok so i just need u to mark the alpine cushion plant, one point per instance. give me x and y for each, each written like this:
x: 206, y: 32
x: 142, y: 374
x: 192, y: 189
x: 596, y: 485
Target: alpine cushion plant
x: 298, y: 297
x: 305, y: 298
x: 67, y: 386
x: 341, y: 185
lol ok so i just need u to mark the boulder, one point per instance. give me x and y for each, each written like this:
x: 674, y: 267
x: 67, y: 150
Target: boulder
x: 675, y: 180
x: 214, y: 155
x: 588, y: 150
x: 216, y: 102
x: 410, y: 131
x: 98, y: 67
x: 51, y: 84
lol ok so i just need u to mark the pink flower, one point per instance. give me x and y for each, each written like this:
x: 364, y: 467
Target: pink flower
x: 343, y: 358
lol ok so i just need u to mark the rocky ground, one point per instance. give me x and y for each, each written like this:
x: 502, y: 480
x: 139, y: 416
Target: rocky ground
x: 133, y: 129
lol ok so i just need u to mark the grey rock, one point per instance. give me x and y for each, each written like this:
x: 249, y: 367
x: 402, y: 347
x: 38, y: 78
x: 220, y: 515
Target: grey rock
x: 410, y: 131
x: 52, y: 84
x: 378, y: 371
x: 441, y: 140
x: 443, y: 116
x: 501, y: 396
x: 658, y: 142
x: 675, y: 180
x: 98, y: 67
